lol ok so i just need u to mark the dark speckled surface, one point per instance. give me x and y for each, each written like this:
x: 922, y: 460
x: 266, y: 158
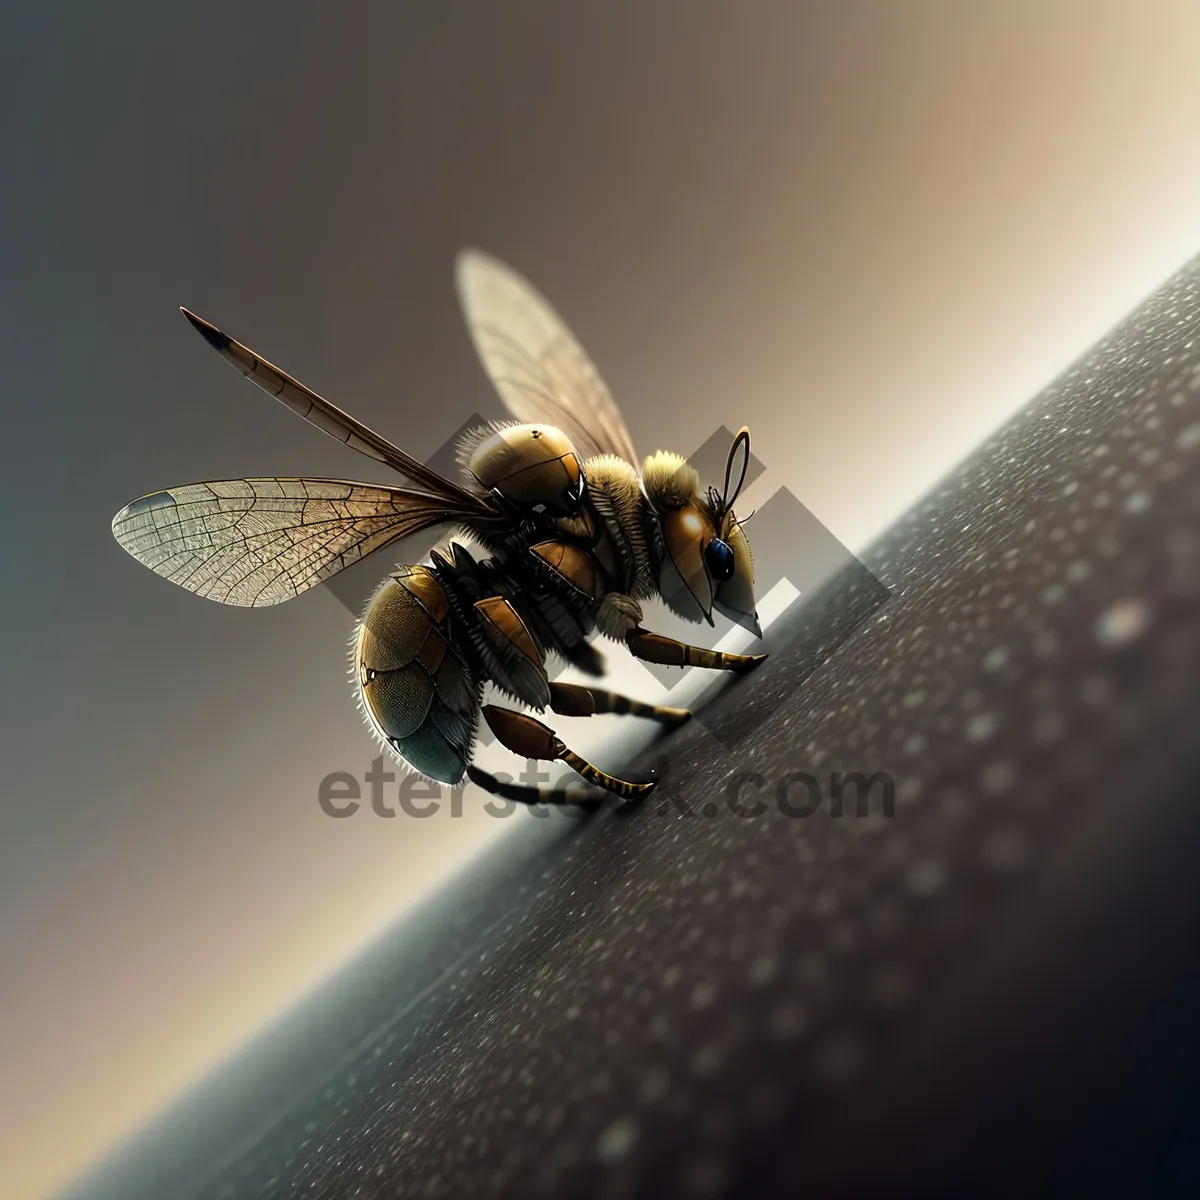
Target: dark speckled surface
x: 992, y: 989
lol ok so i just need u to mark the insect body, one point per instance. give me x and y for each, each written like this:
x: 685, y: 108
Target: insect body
x: 573, y: 540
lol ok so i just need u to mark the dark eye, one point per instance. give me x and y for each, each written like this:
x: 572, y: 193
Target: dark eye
x: 718, y: 557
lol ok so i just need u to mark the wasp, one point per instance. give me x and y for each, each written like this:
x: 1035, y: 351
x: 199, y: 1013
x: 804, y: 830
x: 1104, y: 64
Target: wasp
x: 569, y: 539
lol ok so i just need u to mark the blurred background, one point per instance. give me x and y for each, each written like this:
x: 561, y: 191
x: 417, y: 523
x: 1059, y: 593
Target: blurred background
x: 869, y: 230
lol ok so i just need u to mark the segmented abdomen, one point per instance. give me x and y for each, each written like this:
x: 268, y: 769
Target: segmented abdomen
x: 415, y: 687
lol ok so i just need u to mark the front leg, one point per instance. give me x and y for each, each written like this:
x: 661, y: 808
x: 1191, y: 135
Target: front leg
x: 655, y: 648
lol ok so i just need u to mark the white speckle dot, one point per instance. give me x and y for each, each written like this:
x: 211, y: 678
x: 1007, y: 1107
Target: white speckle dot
x: 1138, y: 502
x: 980, y: 727
x: 1053, y: 593
x: 1069, y: 489
x: 1079, y: 570
x: 1188, y: 438
x: 617, y: 1140
x: 995, y: 658
x: 1122, y: 622
x: 926, y: 876
x: 703, y: 994
x: 763, y: 969
x: 913, y: 699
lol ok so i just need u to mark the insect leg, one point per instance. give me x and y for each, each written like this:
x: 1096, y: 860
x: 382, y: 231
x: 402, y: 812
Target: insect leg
x: 528, y: 737
x: 529, y: 794
x: 653, y: 647
x: 573, y: 700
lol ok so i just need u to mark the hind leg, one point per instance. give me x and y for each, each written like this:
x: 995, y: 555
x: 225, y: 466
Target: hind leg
x: 574, y: 700
x: 524, y: 793
x: 528, y: 737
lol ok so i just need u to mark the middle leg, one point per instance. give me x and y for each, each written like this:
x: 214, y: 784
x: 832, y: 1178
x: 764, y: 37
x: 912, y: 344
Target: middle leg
x: 574, y: 700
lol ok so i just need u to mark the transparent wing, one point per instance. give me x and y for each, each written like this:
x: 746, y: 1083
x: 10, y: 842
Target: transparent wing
x: 256, y: 542
x: 326, y: 416
x: 539, y: 368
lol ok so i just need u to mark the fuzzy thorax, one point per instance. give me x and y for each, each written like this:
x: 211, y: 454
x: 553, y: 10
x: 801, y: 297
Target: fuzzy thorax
x: 670, y: 480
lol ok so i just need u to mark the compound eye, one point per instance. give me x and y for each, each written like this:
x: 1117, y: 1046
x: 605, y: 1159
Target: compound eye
x: 718, y: 558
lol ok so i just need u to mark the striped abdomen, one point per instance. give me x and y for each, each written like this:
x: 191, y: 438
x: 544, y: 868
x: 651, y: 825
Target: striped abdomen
x: 414, y: 685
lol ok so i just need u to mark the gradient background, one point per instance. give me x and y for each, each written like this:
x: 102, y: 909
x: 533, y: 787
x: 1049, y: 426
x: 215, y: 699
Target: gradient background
x: 868, y: 230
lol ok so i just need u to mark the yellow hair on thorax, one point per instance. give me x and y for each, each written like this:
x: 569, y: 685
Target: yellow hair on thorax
x: 670, y: 480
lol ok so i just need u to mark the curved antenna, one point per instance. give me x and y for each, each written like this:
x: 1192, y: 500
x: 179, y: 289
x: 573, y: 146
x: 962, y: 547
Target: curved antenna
x: 741, y: 440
